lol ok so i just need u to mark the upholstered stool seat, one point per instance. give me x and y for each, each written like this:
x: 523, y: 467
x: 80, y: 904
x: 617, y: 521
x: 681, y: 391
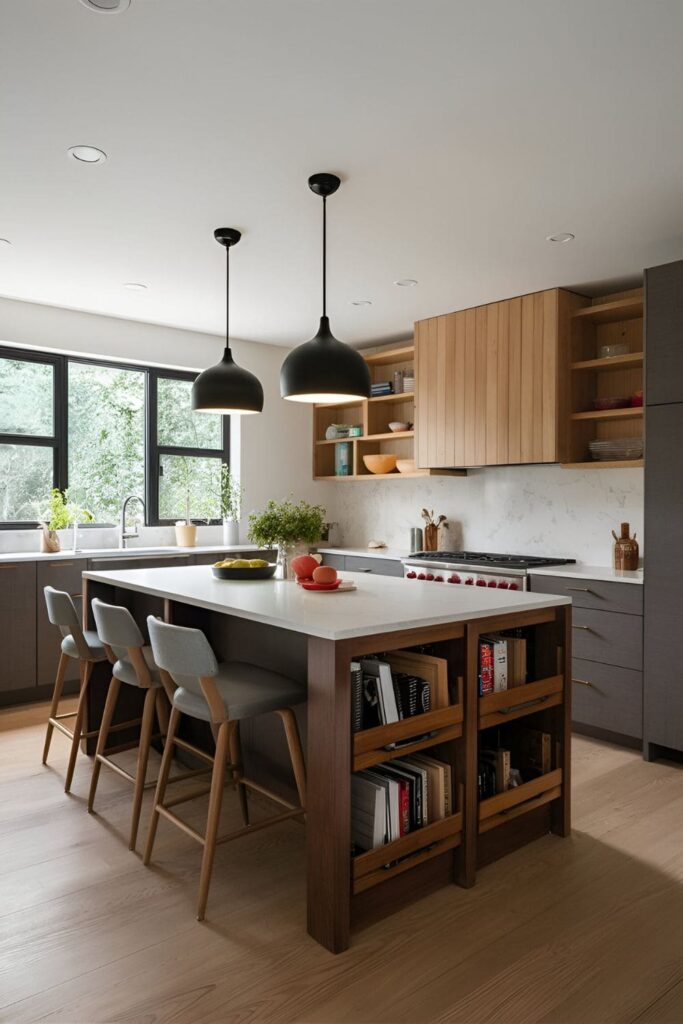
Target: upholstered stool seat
x: 224, y: 695
x: 125, y: 671
x: 96, y: 651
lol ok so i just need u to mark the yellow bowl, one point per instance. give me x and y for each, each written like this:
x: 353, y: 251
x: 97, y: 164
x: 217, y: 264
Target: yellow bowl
x: 406, y: 465
x: 380, y: 463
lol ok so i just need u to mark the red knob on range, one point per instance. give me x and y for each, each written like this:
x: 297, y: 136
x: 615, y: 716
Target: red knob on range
x: 411, y: 575
x: 454, y: 578
x: 481, y: 583
x: 438, y: 579
x: 514, y: 586
x: 492, y: 583
x: 429, y: 576
x: 469, y: 581
x: 503, y: 585
x: 421, y: 576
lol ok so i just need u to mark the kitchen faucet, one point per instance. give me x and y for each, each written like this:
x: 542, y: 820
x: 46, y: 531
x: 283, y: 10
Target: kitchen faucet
x: 123, y: 536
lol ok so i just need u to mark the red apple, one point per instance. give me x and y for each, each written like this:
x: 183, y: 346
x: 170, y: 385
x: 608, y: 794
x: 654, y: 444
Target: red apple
x: 324, y: 574
x: 304, y: 566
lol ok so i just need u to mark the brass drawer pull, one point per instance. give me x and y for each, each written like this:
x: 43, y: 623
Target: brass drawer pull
x: 60, y: 565
x: 587, y: 628
x: 581, y: 590
x: 582, y: 682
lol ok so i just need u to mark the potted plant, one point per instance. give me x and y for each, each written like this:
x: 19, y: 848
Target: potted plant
x: 230, y: 501
x: 202, y: 503
x: 62, y: 514
x: 285, y: 524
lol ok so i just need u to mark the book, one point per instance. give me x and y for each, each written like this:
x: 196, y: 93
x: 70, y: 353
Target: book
x: 368, y: 813
x: 392, y: 801
x: 535, y: 748
x: 405, y: 783
x: 357, y: 696
x: 437, y: 774
x: 485, y: 667
x: 517, y: 673
x: 420, y: 790
x: 381, y: 670
x: 500, y: 661
x: 499, y: 759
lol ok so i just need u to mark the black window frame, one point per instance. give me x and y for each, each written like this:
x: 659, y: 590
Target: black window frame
x: 59, y: 441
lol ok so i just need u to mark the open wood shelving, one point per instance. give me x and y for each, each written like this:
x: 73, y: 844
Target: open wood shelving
x: 608, y: 320
x: 373, y: 415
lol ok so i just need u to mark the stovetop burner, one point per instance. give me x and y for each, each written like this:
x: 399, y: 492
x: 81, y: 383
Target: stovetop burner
x: 493, y: 560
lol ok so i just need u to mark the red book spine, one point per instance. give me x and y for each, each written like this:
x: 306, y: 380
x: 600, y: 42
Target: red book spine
x: 485, y: 667
x: 404, y: 808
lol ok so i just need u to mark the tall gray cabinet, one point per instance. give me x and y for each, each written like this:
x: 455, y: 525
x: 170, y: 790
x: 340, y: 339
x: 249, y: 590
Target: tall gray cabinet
x: 663, y: 587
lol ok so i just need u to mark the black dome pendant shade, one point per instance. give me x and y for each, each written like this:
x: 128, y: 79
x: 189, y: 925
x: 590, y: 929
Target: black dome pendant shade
x: 324, y: 369
x: 227, y: 388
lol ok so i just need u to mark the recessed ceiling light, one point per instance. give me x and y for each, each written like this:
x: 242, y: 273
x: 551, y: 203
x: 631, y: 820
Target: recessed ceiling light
x: 561, y: 237
x: 106, y: 6
x: 406, y: 282
x: 87, y: 154
x: 361, y: 302
x: 135, y: 286
x: 5, y: 241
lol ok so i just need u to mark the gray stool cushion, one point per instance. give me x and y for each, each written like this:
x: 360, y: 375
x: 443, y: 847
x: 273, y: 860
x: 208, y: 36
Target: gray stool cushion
x: 246, y: 691
x: 124, y: 670
x: 96, y: 651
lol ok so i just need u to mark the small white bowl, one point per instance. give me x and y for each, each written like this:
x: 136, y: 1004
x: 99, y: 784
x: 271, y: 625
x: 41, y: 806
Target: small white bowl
x: 397, y: 426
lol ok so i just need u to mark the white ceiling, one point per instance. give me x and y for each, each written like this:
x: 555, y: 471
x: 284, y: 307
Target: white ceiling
x: 465, y: 132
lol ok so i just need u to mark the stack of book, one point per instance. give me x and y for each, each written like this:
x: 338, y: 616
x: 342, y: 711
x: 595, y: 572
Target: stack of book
x: 380, y: 696
x: 502, y: 663
x: 390, y: 800
x: 530, y: 755
x: 381, y: 387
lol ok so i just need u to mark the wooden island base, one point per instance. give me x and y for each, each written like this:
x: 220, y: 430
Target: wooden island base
x: 346, y: 891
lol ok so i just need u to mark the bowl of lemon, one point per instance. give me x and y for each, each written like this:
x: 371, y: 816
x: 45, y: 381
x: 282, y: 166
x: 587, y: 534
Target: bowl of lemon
x: 243, y: 569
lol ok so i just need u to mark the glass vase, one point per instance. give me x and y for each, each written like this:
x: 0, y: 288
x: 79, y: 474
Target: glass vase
x: 285, y: 553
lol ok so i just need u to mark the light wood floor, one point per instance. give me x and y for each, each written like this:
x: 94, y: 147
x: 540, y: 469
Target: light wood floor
x: 578, y: 931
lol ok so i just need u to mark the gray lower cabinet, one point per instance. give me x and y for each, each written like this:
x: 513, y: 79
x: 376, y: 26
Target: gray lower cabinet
x: 357, y: 563
x: 62, y: 575
x: 607, y: 652
x: 113, y: 563
x: 17, y: 625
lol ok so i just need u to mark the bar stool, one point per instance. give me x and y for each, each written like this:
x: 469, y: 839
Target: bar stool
x: 222, y: 694
x: 86, y: 647
x: 133, y: 664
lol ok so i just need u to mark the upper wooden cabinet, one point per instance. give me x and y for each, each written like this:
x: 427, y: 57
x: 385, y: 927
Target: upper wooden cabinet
x: 488, y: 382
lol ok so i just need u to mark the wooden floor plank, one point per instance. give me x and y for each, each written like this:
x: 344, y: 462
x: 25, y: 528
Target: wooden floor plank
x: 581, y: 931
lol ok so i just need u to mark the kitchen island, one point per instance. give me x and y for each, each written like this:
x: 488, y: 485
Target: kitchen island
x: 315, y: 637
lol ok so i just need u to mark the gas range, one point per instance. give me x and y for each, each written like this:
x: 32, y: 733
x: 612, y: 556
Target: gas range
x: 475, y: 568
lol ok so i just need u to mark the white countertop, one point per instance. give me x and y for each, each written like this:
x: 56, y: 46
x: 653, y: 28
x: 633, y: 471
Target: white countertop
x: 395, y: 554
x: 380, y: 604
x: 142, y: 552
x: 590, y: 572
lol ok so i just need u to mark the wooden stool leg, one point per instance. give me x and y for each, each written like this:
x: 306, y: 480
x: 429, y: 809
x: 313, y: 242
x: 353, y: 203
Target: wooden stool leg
x: 78, y: 724
x: 215, y: 800
x: 238, y: 768
x: 166, y: 762
x: 163, y: 711
x: 146, y: 730
x: 295, y: 751
x: 107, y: 715
x: 54, y: 706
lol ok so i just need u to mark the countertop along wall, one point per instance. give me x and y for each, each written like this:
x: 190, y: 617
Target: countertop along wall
x: 271, y: 452
x: 530, y: 510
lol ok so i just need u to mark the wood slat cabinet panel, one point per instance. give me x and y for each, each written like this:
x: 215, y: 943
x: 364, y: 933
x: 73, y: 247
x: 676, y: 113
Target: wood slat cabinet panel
x: 62, y: 575
x: 17, y: 625
x: 487, y: 384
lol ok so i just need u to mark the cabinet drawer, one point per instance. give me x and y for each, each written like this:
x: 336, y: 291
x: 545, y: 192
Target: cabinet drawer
x: 598, y: 594
x: 607, y: 637
x: 336, y: 561
x: 607, y: 697
x: 380, y: 566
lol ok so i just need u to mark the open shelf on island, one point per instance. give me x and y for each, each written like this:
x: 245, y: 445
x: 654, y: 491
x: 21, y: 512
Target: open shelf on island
x: 507, y: 705
x: 376, y: 865
x: 427, y: 730
x: 499, y: 809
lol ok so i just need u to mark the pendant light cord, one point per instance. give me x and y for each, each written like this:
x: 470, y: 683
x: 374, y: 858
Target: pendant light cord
x: 227, y: 296
x: 324, y: 255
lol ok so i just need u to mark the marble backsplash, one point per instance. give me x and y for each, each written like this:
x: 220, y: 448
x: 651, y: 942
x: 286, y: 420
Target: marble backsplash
x: 530, y: 510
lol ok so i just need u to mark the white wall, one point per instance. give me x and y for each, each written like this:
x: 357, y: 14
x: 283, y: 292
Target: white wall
x: 272, y: 451
x: 531, y: 510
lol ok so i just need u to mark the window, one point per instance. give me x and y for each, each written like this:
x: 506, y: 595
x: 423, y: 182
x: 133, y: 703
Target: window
x: 105, y: 431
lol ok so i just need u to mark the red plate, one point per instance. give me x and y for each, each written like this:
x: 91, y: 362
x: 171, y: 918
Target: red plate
x: 312, y: 585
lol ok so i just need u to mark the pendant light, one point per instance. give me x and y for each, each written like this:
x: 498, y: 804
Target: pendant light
x: 227, y: 388
x: 324, y: 369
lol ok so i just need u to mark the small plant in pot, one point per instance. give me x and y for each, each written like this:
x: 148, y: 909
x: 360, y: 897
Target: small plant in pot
x: 231, y: 500
x: 287, y: 525
x: 60, y: 515
x: 204, y: 506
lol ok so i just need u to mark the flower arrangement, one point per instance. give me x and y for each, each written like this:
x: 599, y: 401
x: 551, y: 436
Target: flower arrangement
x: 286, y: 522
